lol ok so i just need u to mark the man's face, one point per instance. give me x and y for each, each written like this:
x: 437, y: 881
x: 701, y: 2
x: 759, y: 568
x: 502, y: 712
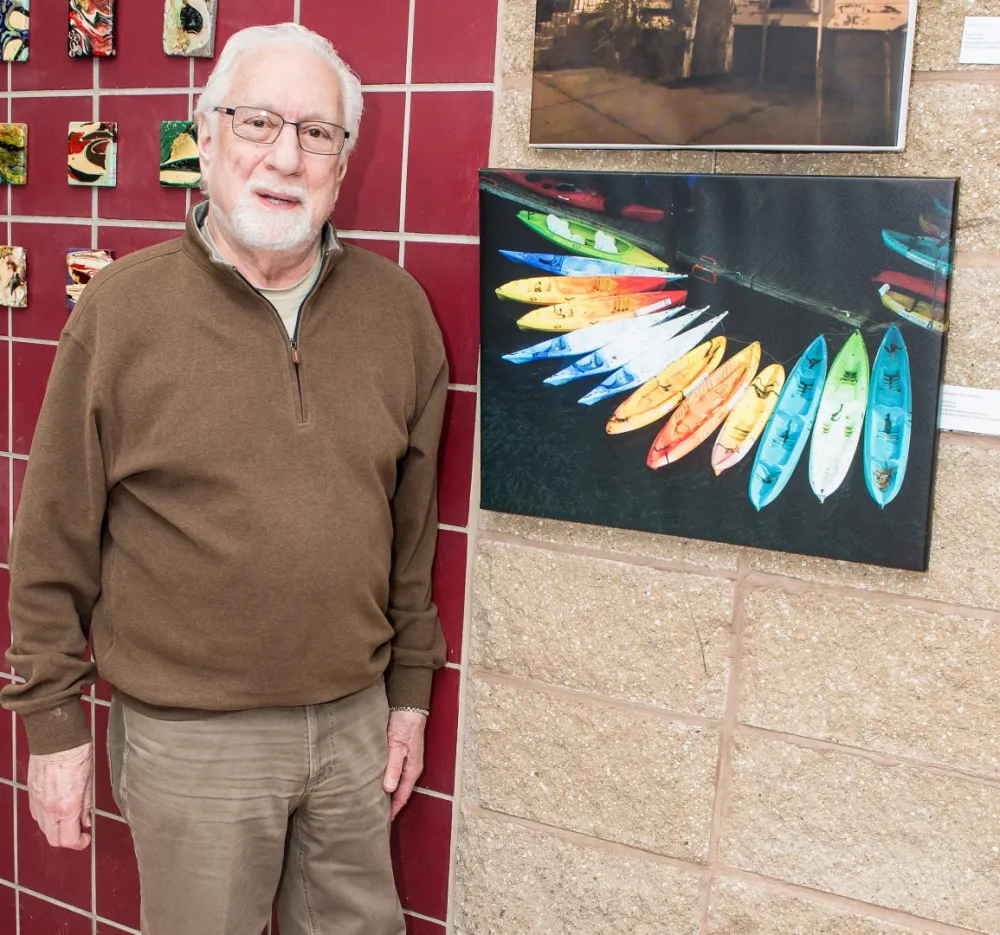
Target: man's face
x: 274, y: 196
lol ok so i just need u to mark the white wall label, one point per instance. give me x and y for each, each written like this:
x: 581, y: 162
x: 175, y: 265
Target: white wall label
x: 980, y: 41
x: 966, y: 409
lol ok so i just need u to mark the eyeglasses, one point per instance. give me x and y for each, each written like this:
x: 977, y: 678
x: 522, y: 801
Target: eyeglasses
x: 262, y: 126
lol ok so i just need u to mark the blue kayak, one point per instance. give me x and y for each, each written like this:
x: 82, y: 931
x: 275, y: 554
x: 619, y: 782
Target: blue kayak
x: 582, y: 266
x: 787, y: 432
x: 927, y: 252
x: 890, y: 414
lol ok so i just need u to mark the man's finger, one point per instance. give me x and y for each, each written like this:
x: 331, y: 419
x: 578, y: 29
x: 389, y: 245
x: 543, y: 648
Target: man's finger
x: 68, y: 835
x: 85, y: 818
x: 401, y: 796
x: 393, y: 769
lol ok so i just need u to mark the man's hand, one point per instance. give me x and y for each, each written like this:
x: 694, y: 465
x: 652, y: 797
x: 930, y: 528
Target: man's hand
x: 406, y: 756
x: 59, y: 795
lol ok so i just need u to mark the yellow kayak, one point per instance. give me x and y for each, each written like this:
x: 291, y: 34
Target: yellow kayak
x: 568, y: 316
x: 548, y: 290
x: 741, y: 430
x: 659, y: 396
x: 914, y: 310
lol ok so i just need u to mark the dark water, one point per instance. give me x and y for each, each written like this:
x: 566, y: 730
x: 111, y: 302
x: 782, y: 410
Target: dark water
x: 545, y: 455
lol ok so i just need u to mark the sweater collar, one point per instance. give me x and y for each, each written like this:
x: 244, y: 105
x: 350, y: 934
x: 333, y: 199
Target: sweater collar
x: 194, y: 243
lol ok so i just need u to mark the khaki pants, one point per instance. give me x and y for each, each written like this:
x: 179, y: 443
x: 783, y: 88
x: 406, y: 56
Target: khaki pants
x: 228, y: 811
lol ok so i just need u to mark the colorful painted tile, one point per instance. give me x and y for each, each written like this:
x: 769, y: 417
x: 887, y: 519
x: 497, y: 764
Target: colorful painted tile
x: 189, y: 28
x: 93, y: 154
x: 14, y: 153
x: 14, y: 277
x: 81, y: 264
x: 179, y: 166
x: 14, y: 30
x: 91, y: 28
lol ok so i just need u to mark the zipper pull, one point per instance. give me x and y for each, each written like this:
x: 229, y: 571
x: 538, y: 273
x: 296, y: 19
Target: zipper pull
x: 296, y: 359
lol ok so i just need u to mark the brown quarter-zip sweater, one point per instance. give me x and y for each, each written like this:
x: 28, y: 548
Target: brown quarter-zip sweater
x: 236, y: 519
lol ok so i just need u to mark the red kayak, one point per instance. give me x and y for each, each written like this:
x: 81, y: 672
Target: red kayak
x: 913, y: 284
x: 561, y: 190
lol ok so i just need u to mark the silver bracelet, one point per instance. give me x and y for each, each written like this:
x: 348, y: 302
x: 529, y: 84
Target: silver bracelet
x: 422, y: 711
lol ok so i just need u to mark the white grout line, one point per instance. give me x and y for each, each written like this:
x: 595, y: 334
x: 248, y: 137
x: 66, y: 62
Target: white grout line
x: 407, y: 106
x: 448, y: 526
x: 463, y: 387
x: 420, y: 915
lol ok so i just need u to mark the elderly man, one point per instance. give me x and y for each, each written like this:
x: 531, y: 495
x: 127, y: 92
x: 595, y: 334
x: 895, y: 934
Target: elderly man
x: 232, y: 491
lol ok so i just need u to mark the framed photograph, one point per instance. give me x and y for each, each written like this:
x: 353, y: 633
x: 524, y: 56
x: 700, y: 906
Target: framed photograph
x: 744, y: 359
x: 722, y: 74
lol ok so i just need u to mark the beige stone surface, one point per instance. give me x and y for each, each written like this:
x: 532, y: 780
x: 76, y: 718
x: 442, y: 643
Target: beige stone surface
x: 973, y: 357
x: 878, y: 676
x: 517, y: 50
x: 748, y: 163
x: 895, y: 836
x: 739, y: 908
x: 965, y: 550
x: 512, y: 881
x: 620, y: 630
x: 511, y: 150
x: 939, y: 32
x: 626, y: 542
x: 632, y: 778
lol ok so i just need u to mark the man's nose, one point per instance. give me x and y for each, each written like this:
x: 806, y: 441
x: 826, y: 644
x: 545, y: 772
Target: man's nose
x: 285, y: 154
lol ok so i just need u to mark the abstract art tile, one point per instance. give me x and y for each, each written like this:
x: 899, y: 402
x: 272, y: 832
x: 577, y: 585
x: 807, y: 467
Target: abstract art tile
x: 81, y: 265
x: 14, y: 30
x: 189, y: 28
x: 93, y: 154
x: 14, y: 153
x: 179, y: 166
x: 91, y: 28
x: 13, y: 277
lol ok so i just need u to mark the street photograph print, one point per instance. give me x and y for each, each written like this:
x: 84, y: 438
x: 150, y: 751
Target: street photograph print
x: 722, y: 74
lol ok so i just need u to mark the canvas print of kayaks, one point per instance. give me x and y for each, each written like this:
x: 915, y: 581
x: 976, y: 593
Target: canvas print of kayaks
x: 559, y: 264
x: 889, y: 421
x: 786, y: 434
x: 840, y: 418
x: 705, y: 409
x: 579, y: 313
x: 549, y: 290
x: 590, y: 241
x: 928, y: 252
x: 660, y: 395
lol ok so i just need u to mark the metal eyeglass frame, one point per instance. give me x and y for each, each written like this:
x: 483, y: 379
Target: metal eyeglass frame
x: 231, y: 111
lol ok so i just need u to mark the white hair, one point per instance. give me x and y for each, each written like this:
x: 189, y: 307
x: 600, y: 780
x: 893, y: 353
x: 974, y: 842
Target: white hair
x: 257, y: 37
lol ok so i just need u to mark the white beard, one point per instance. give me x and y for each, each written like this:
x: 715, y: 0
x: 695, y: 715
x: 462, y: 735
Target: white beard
x: 259, y: 228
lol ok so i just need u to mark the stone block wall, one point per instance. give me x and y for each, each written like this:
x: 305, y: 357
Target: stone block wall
x: 676, y: 737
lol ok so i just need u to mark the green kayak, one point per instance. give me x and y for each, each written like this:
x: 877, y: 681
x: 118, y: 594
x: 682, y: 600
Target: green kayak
x: 585, y: 240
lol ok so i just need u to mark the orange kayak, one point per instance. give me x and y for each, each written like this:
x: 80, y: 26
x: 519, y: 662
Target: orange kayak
x: 568, y: 316
x: 655, y: 399
x: 547, y: 290
x: 705, y: 409
x: 747, y: 420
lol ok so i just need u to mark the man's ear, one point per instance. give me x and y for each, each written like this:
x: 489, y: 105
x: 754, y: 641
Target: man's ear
x: 206, y: 140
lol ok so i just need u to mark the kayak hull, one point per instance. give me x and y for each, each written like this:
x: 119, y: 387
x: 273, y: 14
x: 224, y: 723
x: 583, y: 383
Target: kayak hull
x: 889, y: 420
x: 568, y: 316
x: 584, y: 340
x: 916, y: 311
x: 786, y: 434
x: 561, y: 265
x: 659, y: 396
x: 705, y: 409
x: 549, y: 290
x: 928, y: 252
x: 840, y: 420
x: 740, y: 431
x: 625, y: 252
x: 928, y: 288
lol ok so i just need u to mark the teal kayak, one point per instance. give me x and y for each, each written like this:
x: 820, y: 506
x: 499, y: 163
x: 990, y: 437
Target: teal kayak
x: 840, y: 419
x: 927, y: 252
x: 787, y: 432
x: 890, y: 414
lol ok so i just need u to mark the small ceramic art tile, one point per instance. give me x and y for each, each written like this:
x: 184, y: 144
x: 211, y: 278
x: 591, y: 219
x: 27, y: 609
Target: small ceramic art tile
x: 93, y: 154
x: 189, y: 28
x: 81, y: 265
x: 91, y: 28
x: 14, y: 153
x: 179, y: 166
x: 14, y: 277
x: 14, y: 30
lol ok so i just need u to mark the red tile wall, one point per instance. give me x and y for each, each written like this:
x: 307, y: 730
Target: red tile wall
x: 410, y: 195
